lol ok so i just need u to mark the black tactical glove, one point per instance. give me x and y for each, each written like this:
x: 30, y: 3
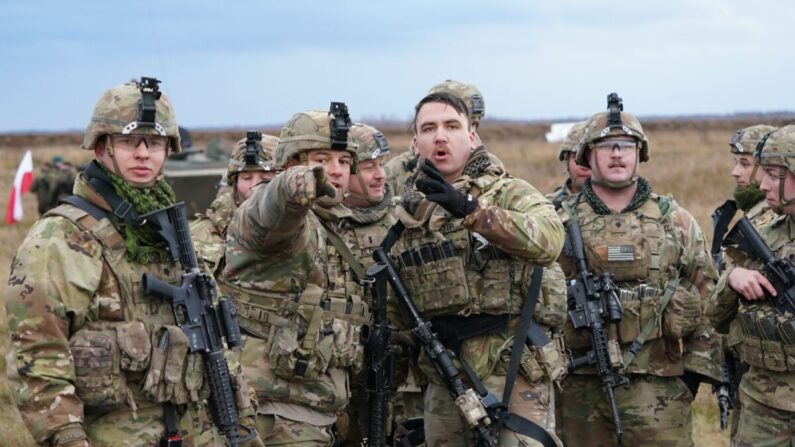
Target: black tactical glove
x: 439, y: 190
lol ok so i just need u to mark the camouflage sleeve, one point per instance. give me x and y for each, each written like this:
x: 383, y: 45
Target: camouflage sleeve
x: 53, y: 277
x: 518, y: 219
x: 209, y: 243
x: 702, y: 349
x: 723, y: 303
x: 269, y: 221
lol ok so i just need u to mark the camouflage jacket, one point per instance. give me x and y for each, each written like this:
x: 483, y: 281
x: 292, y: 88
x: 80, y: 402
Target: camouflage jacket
x: 771, y: 377
x: 82, y: 329
x: 209, y: 230
x: 297, y: 301
x: 666, y: 247
x: 481, y: 265
x: 399, y: 168
x: 561, y: 194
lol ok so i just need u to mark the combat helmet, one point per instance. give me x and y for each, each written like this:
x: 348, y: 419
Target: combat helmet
x: 468, y: 93
x: 746, y: 139
x: 573, y: 136
x: 133, y: 108
x: 777, y: 148
x: 614, y: 122
x: 371, y: 145
x: 316, y: 129
x: 253, y: 153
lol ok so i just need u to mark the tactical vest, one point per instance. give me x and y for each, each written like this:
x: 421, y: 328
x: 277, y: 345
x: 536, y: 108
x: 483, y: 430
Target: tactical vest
x: 310, y: 321
x: 129, y: 350
x: 641, y: 250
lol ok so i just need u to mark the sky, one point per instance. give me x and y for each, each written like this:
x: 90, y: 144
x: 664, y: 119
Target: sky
x: 255, y: 62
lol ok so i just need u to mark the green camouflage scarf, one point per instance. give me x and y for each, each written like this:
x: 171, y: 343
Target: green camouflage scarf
x: 143, y: 243
x: 642, y: 194
x: 748, y: 196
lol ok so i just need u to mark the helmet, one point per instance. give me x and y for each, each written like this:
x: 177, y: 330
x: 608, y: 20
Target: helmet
x: 316, y: 129
x: 133, y: 108
x: 262, y: 161
x: 600, y: 126
x: 57, y: 159
x: 777, y: 148
x: 467, y: 92
x: 370, y: 141
x: 745, y: 140
x: 572, y: 137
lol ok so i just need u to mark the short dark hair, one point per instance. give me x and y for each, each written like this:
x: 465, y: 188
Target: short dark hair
x: 451, y: 100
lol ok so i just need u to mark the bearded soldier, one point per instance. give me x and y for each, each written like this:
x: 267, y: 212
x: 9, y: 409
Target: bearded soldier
x: 473, y: 235
x: 287, y: 270
x: 102, y: 363
x: 575, y: 174
x: 251, y: 164
x: 742, y: 303
x: 656, y: 254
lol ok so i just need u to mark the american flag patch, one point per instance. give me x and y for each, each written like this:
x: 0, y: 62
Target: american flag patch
x: 620, y: 253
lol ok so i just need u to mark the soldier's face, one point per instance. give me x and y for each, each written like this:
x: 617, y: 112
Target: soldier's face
x: 248, y: 180
x: 337, y: 165
x: 770, y: 185
x: 443, y: 136
x: 743, y: 168
x: 577, y: 173
x: 614, y: 159
x: 139, y: 163
x: 370, y: 181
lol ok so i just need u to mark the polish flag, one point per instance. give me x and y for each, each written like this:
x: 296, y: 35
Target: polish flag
x: 22, y: 182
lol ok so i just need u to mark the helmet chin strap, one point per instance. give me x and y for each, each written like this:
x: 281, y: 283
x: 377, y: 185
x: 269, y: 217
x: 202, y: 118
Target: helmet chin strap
x: 782, y: 202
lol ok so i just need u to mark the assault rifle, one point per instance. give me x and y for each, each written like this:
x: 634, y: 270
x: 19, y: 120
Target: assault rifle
x: 593, y: 304
x: 379, y: 359
x: 780, y: 272
x: 477, y: 409
x: 204, y: 323
x: 727, y: 391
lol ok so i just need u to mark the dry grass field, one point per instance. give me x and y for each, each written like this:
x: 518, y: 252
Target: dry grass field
x: 689, y: 159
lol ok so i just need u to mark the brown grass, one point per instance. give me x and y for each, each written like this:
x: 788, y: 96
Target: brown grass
x: 689, y: 159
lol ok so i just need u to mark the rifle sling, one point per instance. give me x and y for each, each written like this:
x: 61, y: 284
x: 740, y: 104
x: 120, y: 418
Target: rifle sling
x: 629, y: 356
x: 343, y: 250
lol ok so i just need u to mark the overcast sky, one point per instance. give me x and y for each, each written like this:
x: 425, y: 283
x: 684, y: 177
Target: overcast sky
x: 247, y: 63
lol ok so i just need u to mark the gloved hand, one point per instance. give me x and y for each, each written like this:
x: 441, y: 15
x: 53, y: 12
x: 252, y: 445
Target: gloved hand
x: 305, y: 184
x: 439, y: 190
x: 70, y: 435
x: 404, y: 342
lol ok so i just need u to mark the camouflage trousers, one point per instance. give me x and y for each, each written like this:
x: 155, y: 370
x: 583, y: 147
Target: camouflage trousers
x: 654, y: 411
x: 123, y: 429
x: 277, y: 430
x: 763, y: 426
x: 445, y: 427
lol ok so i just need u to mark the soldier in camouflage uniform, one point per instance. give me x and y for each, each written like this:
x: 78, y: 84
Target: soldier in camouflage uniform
x: 575, y: 174
x: 13, y: 430
x: 399, y: 168
x: 209, y: 230
x: 487, y: 230
x: 657, y: 254
x: 287, y: 272
x: 101, y: 363
x: 741, y: 303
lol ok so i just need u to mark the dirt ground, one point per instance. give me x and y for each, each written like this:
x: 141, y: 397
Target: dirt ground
x: 689, y: 159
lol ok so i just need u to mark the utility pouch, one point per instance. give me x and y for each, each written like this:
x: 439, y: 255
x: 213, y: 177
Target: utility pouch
x: 439, y: 287
x: 165, y: 375
x: 99, y: 381
x: 135, y: 345
x: 552, y: 358
x: 347, y: 350
x: 683, y: 314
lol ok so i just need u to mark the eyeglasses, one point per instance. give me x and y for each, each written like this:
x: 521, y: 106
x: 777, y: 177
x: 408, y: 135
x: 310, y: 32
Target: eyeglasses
x: 154, y: 143
x: 621, y: 145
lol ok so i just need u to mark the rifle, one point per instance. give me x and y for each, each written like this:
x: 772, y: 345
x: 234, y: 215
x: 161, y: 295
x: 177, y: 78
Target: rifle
x: 379, y: 359
x: 477, y: 410
x: 780, y: 272
x: 727, y: 391
x: 721, y: 219
x: 593, y: 303
x: 204, y: 323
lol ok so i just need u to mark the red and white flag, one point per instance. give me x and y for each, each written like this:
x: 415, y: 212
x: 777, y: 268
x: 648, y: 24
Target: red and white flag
x: 22, y: 182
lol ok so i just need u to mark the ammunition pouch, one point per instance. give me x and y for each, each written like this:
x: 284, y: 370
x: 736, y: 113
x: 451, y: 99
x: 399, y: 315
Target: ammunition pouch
x: 548, y: 361
x: 436, y: 276
x: 174, y: 374
x: 768, y: 339
x: 640, y: 306
x: 320, y: 333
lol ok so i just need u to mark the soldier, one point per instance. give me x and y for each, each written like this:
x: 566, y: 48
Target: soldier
x: 399, y: 168
x: 82, y: 330
x: 13, y: 431
x: 575, y: 174
x: 740, y: 301
x: 492, y: 229
x: 242, y: 175
x: 286, y: 269
x: 657, y: 255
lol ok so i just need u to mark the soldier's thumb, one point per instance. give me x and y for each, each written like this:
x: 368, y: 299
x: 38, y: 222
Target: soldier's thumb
x: 322, y: 183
